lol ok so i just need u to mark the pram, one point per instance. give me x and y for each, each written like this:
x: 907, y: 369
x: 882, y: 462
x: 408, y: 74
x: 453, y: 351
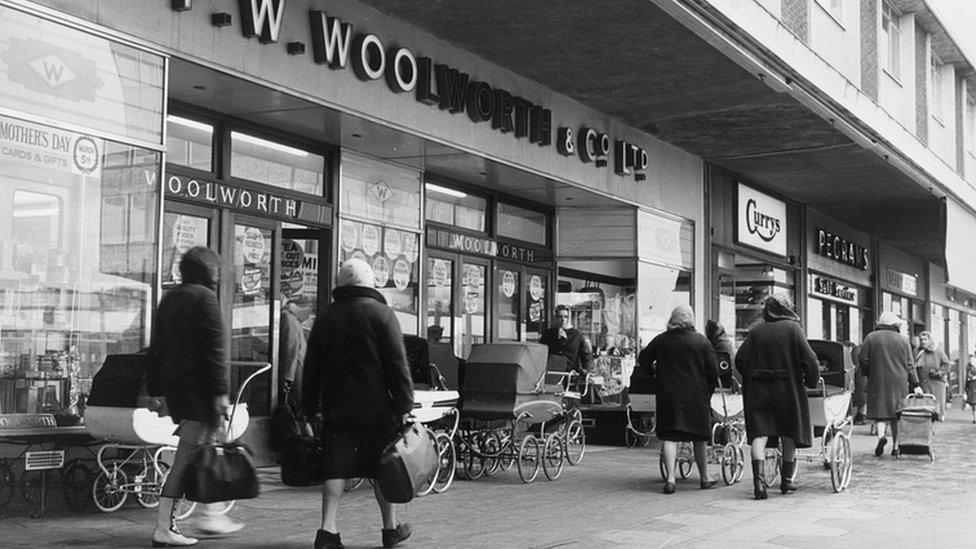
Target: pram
x: 728, y: 430
x: 504, y: 394
x: 830, y: 414
x: 137, y: 440
x: 916, y: 420
x: 641, y: 409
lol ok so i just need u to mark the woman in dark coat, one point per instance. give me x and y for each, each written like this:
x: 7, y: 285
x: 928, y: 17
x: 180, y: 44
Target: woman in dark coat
x: 886, y: 358
x: 721, y: 343
x: 356, y: 377
x: 686, y: 376
x: 776, y: 361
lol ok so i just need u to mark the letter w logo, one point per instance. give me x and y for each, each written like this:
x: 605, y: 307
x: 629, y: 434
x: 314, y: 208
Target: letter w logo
x: 262, y: 18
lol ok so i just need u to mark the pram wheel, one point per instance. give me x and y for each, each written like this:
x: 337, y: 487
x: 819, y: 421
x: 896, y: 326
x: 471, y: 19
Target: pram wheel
x: 108, y: 488
x: 491, y: 448
x: 76, y: 481
x: 528, y: 459
x: 472, y: 463
x: 552, y: 461
x: 147, y: 495
x: 575, y: 442
x: 840, y: 461
x: 507, y: 457
x: 732, y: 463
x: 681, y: 463
x: 447, y: 465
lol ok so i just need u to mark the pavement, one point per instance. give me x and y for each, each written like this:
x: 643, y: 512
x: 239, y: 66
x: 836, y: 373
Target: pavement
x: 612, y: 499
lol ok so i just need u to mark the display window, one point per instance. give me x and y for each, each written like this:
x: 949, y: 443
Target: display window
x: 837, y: 310
x: 77, y: 261
x: 507, y: 303
x: 909, y: 310
x: 743, y: 284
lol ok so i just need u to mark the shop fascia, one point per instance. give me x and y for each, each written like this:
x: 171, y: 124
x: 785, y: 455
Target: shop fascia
x: 228, y: 196
x: 334, y: 45
x: 841, y: 250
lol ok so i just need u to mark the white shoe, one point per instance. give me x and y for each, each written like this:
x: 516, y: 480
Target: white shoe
x: 218, y: 525
x: 165, y: 537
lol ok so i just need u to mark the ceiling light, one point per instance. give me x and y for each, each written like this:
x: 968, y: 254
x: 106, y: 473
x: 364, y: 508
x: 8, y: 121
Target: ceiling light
x: 267, y: 144
x: 444, y: 190
x: 190, y: 123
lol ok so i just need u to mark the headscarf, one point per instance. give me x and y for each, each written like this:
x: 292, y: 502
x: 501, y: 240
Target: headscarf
x: 779, y: 307
x: 355, y: 272
x: 200, y: 265
x: 714, y: 331
x: 889, y: 318
x: 682, y: 318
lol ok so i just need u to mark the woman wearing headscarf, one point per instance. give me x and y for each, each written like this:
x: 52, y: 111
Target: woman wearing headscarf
x: 932, y: 368
x: 684, y: 363
x: 886, y: 358
x: 776, y: 361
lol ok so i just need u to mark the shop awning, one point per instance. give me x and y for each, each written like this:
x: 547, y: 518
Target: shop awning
x: 960, y: 253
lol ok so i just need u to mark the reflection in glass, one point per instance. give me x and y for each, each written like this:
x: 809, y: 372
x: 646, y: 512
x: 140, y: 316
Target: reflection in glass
x: 251, y: 317
x: 473, y: 306
x: 661, y: 290
x: 275, y: 164
x: 440, y: 306
x: 189, y: 143
x: 507, y: 304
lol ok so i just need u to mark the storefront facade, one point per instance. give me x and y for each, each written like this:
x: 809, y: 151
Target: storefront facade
x: 289, y: 155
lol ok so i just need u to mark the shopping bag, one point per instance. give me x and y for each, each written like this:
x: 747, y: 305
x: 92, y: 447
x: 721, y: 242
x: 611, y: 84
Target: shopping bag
x: 287, y: 423
x: 221, y: 472
x: 407, y: 464
x: 302, y: 461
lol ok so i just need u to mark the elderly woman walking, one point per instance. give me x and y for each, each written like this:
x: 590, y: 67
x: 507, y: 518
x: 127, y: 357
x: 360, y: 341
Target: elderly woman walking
x: 886, y: 358
x: 776, y: 361
x: 356, y: 377
x: 684, y: 363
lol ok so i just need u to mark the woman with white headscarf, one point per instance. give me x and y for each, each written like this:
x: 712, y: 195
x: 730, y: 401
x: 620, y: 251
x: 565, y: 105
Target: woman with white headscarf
x: 684, y: 362
x: 886, y: 358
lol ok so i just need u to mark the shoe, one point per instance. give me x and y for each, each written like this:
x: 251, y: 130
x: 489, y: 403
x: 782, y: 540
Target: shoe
x: 895, y: 452
x: 759, y: 479
x: 859, y: 419
x: 668, y: 488
x: 393, y: 536
x: 706, y: 484
x: 218, y: 525
x: 170, y: 537
x: 879, y: 449
x: 786, y: 485
x: 325, y: 539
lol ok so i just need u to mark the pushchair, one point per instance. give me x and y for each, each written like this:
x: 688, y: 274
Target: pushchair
x: 916, y: 425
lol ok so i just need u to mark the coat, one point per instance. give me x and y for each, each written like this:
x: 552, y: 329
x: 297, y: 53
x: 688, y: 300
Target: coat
x: 687, y: 375
x: 574, y: 347
x: 187, y: 349
x: 886, y: 358
x: 776, y: 362
x: 356, y: 371
x: 291, y: 353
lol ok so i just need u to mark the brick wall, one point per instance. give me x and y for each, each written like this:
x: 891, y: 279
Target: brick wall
x: 795, y: 17
x: 921, y: 86
x: 869, y: 48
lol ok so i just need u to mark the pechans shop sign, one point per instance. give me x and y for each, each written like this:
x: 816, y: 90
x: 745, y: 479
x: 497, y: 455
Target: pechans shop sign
x: 336, y: 46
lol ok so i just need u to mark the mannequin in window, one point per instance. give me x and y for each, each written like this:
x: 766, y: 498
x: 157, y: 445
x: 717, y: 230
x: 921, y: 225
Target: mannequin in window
x: 565, y: 340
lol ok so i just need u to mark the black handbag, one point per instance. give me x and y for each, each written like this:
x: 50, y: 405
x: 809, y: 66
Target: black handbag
x: 221, y: 472
x: 302, y: 461
x: 408, y: 464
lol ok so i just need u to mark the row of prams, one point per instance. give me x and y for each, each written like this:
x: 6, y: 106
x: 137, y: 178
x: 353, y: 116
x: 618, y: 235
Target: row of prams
x: 516, y: 412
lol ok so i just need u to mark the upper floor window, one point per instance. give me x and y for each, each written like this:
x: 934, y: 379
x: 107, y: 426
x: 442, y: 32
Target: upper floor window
x: 936, y: 87
x: 890, y: 43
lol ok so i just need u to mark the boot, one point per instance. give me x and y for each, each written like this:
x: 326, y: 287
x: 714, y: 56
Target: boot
x: 759, y: 479
x: 786, y: 477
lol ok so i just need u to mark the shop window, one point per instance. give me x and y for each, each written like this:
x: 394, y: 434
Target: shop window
x: 534, y: 320
x: 474, y: 300
x: 394, y: 255
x: 452, y: 207
x: 754, y: 283
x: 661, y: 290
x: 77, y: 261
x: 180, y: 233
x: 440, y: 300
x: 276, y: 164
x: 507, y: 304
x: 522, y: 224
x: 379, y: 192
x: 189, y: 143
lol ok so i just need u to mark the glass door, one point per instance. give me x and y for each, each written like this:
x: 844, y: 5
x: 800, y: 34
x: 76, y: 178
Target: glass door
x: 507, y: 302
x: 536, y: 296
x: 473, y: 306
x: 440, y: 323
x: 253, y: 259
x: 184, y: 226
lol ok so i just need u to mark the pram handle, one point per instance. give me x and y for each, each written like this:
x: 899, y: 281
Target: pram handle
x: 240, y: 390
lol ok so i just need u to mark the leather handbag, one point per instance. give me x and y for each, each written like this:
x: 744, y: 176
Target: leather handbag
x: 221, y: 472
x: 302, y: 461
x: 408, y: 464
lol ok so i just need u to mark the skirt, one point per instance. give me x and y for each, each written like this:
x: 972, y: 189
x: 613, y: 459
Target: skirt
x: 681, y: 436
x: 354, y: 451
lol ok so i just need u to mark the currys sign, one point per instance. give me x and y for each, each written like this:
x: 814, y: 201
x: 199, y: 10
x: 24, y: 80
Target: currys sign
x: 760, y: 221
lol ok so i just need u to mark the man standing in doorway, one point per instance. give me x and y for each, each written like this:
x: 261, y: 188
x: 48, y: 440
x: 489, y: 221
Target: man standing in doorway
x: 566, y: 341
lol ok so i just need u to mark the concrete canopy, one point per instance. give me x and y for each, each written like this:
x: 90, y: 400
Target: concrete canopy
x: 631, y: 60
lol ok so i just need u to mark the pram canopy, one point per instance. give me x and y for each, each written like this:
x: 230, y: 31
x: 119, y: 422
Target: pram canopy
x: 836, y: 365
x: 514, y: 368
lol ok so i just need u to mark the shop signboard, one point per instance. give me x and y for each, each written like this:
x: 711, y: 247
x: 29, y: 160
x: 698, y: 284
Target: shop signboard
x: 760, y: 221
x: 902, y: 282
x: 834, y: 290
x: 841, y: 250
x: 483, y: 246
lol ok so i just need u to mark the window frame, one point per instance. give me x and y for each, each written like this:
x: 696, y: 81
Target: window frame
x: 936, y: 88
x: 890, y: 54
